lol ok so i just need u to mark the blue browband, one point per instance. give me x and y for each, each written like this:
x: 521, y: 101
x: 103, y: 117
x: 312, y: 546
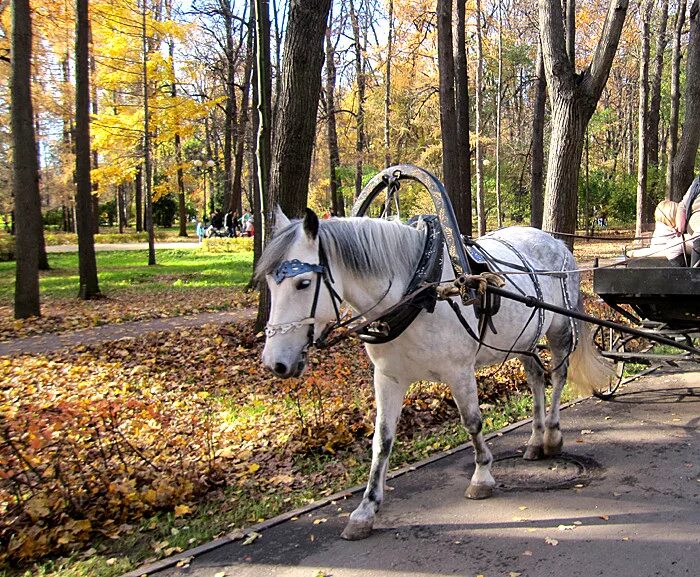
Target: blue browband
x: 290, y: 268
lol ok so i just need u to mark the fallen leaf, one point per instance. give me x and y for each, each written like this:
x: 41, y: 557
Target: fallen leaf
x: 522, y: 507
x: 550, y: 541
x: 586, y: 432
x: 603, y: 517
x: 220, y: 574
x: 182, y: 510
x: 566, y: 527
x: 252, y: 536
x: 527, y: 553
x: 319, y: 521
x: 514, y: 574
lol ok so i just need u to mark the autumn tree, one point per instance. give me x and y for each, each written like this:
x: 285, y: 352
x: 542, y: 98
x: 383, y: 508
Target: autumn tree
x: 26, y: 169
x: 573, y: 98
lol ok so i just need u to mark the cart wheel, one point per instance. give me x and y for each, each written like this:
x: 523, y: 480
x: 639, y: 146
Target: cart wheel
x: 611, y: 341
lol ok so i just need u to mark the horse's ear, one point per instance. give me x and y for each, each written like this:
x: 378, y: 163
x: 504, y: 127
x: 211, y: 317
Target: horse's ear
x: 311, y: 224
x: 281, y: 220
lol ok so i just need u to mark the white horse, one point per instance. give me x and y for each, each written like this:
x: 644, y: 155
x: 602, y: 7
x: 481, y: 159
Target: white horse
x: 368, y: 263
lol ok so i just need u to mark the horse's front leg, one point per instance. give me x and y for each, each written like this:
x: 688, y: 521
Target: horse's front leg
x: 389, y: 393
x: 466, y: 397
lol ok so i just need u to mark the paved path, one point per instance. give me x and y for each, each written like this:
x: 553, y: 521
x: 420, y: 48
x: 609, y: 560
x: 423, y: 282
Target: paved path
x: 624, y: 501
x: 95, y: 335
x: 124, y: 246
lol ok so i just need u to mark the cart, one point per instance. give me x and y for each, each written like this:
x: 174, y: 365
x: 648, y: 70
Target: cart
x: 661, y: 300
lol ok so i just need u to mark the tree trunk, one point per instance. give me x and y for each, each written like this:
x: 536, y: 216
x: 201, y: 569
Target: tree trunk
x: 119, y: 201
x: 573, y: 98
x: 655, y: 95
x: 569, y: 120
x: 537, y: 160
x: 642, y: 199
x: 230, y: 113
x: 147, y: 164
x: 337, y: 202
x: 87, y: 264
x: 655, y: 183
x: 263, y: 203
x: 387, y: 87
x: 448, y: 110
x: 361, y: 88
x: 462, y: 203
x: 138, y: 197
x: 95, y: 156
x: 480, y: 196
x: 295, y: 127
x: 499, y: 89
x: 25, y: 167
x: 684, y: 162
x: 241, y: 132
x: 675, y: 100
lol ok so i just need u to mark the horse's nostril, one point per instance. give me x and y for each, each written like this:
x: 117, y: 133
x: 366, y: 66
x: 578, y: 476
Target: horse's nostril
x: 280, y: 369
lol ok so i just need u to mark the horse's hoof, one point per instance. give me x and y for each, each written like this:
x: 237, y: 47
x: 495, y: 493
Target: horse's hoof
x: 553, y: 450
x: 533, y: 453
x: 478, y: 491
x: 356, y: 531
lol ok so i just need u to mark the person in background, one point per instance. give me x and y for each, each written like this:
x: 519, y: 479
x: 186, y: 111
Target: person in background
x: 228, y: 223
x: 688, y: 221
x: 665, y: 240
x: 200, y: 230
x: 236, y: 223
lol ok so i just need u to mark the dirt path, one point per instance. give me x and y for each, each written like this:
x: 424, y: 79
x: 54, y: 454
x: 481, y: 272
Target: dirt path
x: 51, y: 342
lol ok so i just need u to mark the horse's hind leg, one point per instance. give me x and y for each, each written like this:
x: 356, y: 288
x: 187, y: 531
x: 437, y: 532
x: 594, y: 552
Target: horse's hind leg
x: 466, y: 397
x: 389, y: 393
x: 535, y: 380
x: 560, y: 341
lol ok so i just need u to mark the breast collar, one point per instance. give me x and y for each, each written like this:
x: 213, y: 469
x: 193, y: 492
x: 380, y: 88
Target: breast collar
x: 429, y: 270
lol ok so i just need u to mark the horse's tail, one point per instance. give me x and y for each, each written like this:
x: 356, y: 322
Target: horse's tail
x: 588, y: 369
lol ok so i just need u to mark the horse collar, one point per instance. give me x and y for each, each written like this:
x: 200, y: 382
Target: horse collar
x: 428, y: 270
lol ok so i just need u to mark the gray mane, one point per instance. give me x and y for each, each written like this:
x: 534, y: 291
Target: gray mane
x: 364, y: 247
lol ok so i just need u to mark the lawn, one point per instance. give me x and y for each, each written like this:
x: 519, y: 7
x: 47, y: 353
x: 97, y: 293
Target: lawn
x: 185, y: 281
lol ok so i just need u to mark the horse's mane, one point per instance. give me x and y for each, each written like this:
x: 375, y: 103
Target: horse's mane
x: 365, y: 247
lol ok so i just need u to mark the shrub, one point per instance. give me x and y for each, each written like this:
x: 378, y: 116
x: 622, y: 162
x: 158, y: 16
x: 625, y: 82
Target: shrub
x: 233, y: 245
x: 7, y: 248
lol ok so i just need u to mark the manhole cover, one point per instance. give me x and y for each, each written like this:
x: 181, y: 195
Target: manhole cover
x: 512, y: 472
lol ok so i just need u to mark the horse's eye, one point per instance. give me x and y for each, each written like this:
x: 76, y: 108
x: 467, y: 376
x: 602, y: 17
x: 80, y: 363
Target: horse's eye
x: 303, y: 283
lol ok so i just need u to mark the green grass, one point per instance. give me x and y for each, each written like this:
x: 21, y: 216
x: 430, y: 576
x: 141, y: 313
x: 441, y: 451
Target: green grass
x: 111, y: 235
x: 119, y: 270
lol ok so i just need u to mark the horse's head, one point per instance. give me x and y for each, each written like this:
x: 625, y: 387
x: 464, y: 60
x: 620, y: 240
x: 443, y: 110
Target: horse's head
x: 300, y: 287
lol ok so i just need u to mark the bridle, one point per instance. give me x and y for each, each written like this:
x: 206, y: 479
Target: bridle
x: 292, y: 268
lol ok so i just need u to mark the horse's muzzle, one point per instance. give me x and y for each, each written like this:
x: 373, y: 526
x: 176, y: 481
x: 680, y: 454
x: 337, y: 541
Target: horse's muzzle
x: 285, y: 371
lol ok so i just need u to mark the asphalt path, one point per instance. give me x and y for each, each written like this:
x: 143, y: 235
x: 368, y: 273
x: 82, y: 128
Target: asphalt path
x: 623, y: 500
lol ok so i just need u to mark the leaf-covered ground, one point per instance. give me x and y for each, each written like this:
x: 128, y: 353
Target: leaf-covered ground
x: 64, y: 315
x: 96, y: 439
